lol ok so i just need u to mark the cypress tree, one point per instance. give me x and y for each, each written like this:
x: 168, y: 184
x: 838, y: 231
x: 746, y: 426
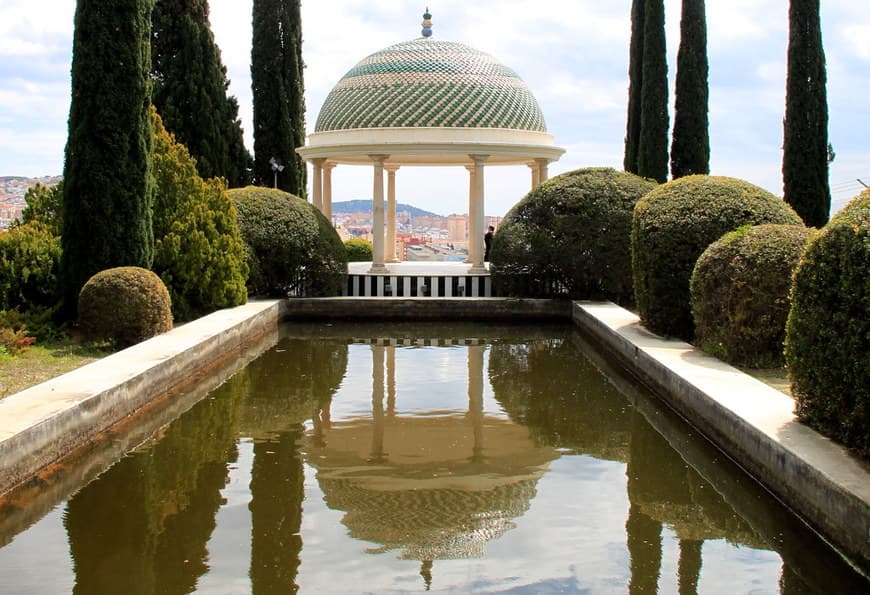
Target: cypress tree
x: 690, y: 146
x: 278, y: 93
x: 190, y: 90
x: 652, y: 159
x: 107, y: 169
x: 805, y: 147
x: 635, y: 83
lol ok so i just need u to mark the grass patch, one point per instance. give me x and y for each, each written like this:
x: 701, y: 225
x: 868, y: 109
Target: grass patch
x: 42, y: 362
x: 774, y: 377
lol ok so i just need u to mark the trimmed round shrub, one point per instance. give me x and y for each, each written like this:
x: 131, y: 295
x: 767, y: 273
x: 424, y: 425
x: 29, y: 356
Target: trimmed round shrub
x: 358, y: 250
x: 124, y: 305
x: 740, y: 293
x: 570, y: 236
x: 673, y: 225
x: 827, y: 345
x: 292, y: 249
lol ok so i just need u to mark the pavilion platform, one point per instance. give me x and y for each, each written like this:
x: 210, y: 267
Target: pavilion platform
x: 417, y: 279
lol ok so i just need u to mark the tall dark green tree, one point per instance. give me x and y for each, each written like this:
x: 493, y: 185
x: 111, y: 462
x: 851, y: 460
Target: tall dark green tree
x: 805, y: 147
x: 190, y: 91
x: 690, y: 145
x: 107, y: 169
x: 652, y: 158
x: 635, y: 84
x: 278, y: 93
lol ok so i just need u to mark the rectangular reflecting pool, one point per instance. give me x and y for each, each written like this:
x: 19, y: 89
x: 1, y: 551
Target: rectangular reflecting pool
x: 355, y: 458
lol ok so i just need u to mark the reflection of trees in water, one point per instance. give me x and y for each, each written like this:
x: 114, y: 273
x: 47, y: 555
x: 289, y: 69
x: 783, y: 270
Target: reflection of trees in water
x: 549, y: 387
x: 143, y: 526
x: 290, y: 383
x: 277, y: 491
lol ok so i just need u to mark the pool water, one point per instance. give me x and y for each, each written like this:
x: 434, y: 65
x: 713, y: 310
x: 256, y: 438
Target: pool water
x: 454, y: 458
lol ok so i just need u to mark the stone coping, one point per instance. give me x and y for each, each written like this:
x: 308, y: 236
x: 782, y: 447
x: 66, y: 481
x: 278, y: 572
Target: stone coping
x: 749, y: 421
x: 42, y: 424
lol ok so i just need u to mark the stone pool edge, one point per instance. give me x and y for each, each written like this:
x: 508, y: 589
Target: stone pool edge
x: 749, y: 421
x: 44, y: 423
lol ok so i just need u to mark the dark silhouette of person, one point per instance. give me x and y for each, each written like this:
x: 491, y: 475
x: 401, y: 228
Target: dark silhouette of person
x: 487, y: 242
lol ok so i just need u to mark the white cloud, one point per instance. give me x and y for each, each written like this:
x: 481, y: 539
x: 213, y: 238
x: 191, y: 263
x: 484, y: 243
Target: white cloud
x: 858, y: 37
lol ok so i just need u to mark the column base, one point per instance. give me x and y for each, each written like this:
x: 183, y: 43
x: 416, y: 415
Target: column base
x: 378, y: 269
x: 478, y: 269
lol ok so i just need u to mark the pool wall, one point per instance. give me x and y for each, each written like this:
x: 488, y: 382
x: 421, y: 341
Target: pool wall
x: 750, y: 422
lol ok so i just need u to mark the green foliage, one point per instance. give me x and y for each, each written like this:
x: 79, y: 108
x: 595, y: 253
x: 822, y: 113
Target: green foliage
x: 358, y: 250
x: 124, y: 305
x: 45, y: 205
x: 29, y: 262
x: 190, y: 90
x: 690, y: 147
x: 652, y: 153
x: 740, y: 293
x: 572, y: 231
x: 827, y: 347
x: 805, y: 144
x: 635, y: 84
x: 278, y: 93
x: 673, y: 225
x: 198, y: 250
x: 107, y: 170
x: 292, y: 249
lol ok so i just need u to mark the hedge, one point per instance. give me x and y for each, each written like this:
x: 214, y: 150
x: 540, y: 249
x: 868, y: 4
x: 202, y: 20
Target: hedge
x: 827, y: 347
x: 673, y: 225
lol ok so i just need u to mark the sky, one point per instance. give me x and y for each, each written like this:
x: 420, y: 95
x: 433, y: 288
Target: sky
x: 573, y: 54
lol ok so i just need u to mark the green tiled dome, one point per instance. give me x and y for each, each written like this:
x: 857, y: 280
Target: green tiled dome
x: 430, y: 83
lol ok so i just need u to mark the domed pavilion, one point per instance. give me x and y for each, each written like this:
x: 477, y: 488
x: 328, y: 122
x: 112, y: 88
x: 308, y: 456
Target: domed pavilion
x: 427, y: 102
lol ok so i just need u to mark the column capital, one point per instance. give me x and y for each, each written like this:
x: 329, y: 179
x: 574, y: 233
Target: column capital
x: 391, y: 168
x: 378, y: 158
x: 318, y: 161
x: 478, y: 158
x: 328, y: 165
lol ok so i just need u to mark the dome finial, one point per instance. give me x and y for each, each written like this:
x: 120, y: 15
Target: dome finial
x: 427, y: 24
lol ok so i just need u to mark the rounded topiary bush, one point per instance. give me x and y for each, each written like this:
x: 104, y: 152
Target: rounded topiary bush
x: 358, y: 250
x: 570, y: 236
x: 291, y: 248
x: 673, y: 225
x: 124, y: 305
x: 740, y: 293
x: 827, y: 346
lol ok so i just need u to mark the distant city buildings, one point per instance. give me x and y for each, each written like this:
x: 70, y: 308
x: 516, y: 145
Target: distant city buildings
x: 12, y: 191
x: 421, y: 238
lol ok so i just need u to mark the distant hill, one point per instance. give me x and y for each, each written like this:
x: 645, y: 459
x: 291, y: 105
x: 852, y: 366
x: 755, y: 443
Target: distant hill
x: 365, y: 206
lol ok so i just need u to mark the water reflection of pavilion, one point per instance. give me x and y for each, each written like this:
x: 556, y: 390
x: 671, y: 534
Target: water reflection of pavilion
x: 436, y: 486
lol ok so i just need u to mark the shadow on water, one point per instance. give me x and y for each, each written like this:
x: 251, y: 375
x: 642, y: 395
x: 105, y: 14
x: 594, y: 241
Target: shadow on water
x: 434, y: 484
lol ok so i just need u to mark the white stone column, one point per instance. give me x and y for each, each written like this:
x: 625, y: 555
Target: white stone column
x: 378, y: 215
x: 391, y: 213
x: 469, y: 238
x: 318, y: 183
x: 476, y: 216
x: 543, y: 173
x: 536, y: 174
x: 327, y: 190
